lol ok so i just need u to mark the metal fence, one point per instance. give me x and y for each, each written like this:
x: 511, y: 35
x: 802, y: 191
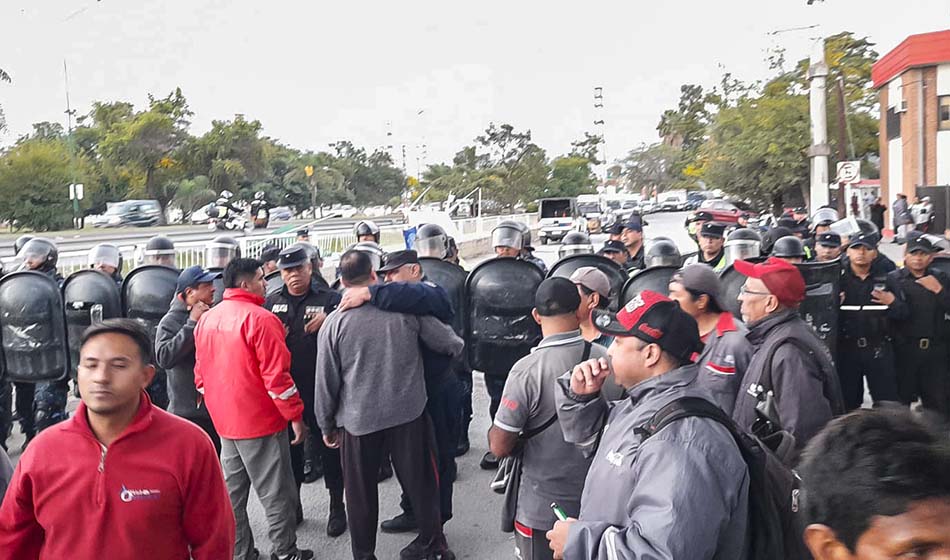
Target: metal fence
x: 331, y: 244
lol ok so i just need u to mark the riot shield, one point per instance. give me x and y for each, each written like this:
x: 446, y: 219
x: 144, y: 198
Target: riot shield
x: 32, y: 328
x: 822, y: 300
x: 451, y: 278
x: 942, y: 263
x: 89, y: 296
x: 615, y: 273
x: 274, y: 283
x: 499, y: 297
x: 656, y: 279
x: 730, y: 283
x: 147, y: 295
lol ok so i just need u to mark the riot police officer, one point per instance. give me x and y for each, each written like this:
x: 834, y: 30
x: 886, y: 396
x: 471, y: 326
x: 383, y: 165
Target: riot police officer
x: 160, y: 250
x: 663, y: 252
x: 790, y: 249
x: 827, y: 246
x: 512, y: 239
x: 107, y: 259
x: 527, y: 252
x: 921, y: 331
x: 742, y: 244
x: 366, y: 230
x: 711, y: 247
x: 773, y: 235
x: 220, y: 251
x: 431, y: 241
x: 575, y: 243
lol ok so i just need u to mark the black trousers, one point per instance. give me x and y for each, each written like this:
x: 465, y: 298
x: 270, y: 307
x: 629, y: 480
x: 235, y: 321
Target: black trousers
x: 24, y: 407
x: 412, y: 450
x: 924, y: 374
x: 332, y: 468
x: 495, y: 384
x: 874, y: 362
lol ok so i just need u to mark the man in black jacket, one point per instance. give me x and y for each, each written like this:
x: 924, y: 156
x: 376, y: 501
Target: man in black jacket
x: 302, y: 307
x: 175, y: 347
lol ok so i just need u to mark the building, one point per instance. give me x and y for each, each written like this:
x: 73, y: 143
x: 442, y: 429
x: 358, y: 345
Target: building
x: 914, y: 85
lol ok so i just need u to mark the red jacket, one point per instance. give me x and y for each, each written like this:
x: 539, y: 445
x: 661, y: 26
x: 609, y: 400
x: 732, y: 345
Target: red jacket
x: 156, y: 492
x: 242, y: 366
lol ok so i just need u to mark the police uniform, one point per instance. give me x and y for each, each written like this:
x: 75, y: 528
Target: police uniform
x: 921, y: 337
x: 718, y: 262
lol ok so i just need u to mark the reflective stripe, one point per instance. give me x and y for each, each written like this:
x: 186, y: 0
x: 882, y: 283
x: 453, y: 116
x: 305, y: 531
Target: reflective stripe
x: 285, y: 395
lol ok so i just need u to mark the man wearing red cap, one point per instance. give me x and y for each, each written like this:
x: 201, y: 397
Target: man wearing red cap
x: 790, y: 385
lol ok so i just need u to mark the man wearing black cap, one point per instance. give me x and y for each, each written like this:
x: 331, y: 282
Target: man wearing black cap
x: 614, y: 250
x: 552, y: 469
x: 870, y: 301
x: 632, y: 238
x: 711, y: 243
x: 615, y: 231
x: 303, y: 235
x: 679, y: 493
x: 302, y: 308
x: 695, y: 223
x: 269, y: 259
x: 921, y: 332
x: 827, y: 246
x: 175, y: 346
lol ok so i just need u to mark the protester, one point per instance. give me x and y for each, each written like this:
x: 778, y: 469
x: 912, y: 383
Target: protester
x: 121, y: 478
x: 175, y: 346
x: 369, y: 414
x: 680, y: 494
x: 726, y: 348
x: 242, y: 367
x: 594, y: 289
x: 875, y: 486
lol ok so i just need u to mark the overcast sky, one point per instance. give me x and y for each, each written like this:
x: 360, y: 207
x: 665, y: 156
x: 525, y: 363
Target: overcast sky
x: 317, y: 71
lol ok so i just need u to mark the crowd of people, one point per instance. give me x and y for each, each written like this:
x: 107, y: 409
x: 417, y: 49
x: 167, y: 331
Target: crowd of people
x: 670, y: 423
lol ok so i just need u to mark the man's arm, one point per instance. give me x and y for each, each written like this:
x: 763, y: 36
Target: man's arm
x: 581, y: 416
x: 266, y: 336
x: 172, y: 341
x: 803, y: 407
x: 439, y: 337
x: 329, y: 379
x: 208, y: 519
x: 414, y: 298
x: 899, y: 309
x: 518, y: 399
x: 21, y: 536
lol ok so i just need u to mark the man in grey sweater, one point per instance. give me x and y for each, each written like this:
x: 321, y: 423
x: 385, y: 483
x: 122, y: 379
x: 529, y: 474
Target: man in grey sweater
x: 371, y: 397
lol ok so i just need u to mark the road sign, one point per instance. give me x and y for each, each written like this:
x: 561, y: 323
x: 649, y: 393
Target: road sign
x: 76, y: 191
x: 849, y: 172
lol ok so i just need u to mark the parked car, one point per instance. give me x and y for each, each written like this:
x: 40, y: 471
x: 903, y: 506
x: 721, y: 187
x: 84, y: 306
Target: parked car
x: 131, y: 213
x: 647, y: 206
x: 721, y: 210
x: 557, y: 217
x: 672, y: 203
x: 280, y: 213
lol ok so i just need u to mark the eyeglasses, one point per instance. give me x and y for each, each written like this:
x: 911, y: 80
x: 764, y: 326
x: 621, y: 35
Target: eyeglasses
x: 745, y: 291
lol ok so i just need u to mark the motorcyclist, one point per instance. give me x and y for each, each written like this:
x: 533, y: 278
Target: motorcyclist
x: 260, y: 210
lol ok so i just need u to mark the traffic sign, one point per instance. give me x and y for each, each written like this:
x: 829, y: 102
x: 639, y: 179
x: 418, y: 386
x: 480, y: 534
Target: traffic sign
x: 849, y: 172
x: 75, y: 191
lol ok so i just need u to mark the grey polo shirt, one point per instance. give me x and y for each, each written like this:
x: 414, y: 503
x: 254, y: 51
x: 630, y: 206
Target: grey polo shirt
x: 553, y: 470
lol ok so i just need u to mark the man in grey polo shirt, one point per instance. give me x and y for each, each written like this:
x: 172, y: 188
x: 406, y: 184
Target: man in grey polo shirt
x: 553, y: 470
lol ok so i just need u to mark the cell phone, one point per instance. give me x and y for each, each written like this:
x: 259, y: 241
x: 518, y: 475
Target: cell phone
x: 558, y: 512
x: 880, y: 286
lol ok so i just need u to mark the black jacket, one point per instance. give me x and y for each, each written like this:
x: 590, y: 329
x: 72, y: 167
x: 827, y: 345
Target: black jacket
x: 922, y: 313
x: 175, y: 353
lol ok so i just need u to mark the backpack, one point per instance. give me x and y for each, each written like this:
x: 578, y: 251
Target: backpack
x: 775, y: 526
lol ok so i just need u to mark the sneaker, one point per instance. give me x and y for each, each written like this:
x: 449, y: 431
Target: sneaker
x: 402, y: 523
x: 336, y: 521
x: 489, y: 462
x: 299, y: 555
x: 436, y: 549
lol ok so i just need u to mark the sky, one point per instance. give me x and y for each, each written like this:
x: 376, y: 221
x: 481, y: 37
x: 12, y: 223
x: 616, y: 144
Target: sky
x: 431, y: 72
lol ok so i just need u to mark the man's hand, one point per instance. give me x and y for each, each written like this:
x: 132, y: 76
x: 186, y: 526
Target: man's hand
x: 931, y: 283
x: 300, y: 431
x: 197, y: 310
x: 354, y: 297
x: 313, y: 325
x: 588, y: 377
x: 558, y: 537
x: 333, y: 439
x: 882, y: 297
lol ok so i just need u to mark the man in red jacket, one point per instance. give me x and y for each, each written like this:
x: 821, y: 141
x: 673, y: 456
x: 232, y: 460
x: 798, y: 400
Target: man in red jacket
x: 122, y: 478
x: 242, y: 367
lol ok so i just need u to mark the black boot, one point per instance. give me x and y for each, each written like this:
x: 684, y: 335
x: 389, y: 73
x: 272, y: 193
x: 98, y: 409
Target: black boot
x: 402, y: 523
x: 336, y: 521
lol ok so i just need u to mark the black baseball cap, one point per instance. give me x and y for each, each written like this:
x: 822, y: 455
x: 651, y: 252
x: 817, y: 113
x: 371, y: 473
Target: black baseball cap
x: 828, y: 239
x: 713, y: 229
x: 787, y: 222
x: 556, y: 296
x: 634, y: 223
x: 270, y: 253
x: 396, y: 259
x: 921, y: 244
x: 303, y: 232
x: 615, y: 229
x: 194, y: 275
x: 868, y: 240
x: 701, y: 216
x: 292, y: 257
x: 613, y: 246
x: 655, y: 319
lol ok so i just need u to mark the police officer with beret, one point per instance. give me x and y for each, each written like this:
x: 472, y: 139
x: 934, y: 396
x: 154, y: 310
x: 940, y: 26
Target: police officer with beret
x: 303, y: 307
x: 711, y: 247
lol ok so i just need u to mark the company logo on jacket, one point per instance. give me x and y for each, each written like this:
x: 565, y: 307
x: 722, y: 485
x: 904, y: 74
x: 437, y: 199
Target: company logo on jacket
x: 127, y: 495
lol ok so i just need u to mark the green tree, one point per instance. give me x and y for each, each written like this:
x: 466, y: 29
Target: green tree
x: 192, y: 194
x: 651, y: 166
x: 570, y: 176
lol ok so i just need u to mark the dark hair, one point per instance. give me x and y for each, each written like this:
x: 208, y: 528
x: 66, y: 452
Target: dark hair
x: 128, y: 327
x: 355, y: 267
x: 711, y: 306
x: 871, y: 463
x: 602, y: 302
x: 240, y: 270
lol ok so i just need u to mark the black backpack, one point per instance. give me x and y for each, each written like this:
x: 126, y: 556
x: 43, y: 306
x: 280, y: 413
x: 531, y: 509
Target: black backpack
x: 775, y: 527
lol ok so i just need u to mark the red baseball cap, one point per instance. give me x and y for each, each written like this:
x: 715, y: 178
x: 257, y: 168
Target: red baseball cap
x: 781, y: 278
x: 653, y: 318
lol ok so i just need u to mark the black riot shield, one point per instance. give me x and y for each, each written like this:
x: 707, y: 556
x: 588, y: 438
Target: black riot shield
x: 89, y: 296
x: 451, y: 278
x: 942, y: 263
x: 730, y: 282
x: 656, y: 279
x: 615, y: 273
x: 822, y: 300
x: 32, y: 328
x: 499, y: 297
x: 147, y: 295
x: 274, y: 283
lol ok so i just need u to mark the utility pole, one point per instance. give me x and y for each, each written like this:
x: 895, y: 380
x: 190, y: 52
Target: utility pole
x: 842, y: 140
x: 819, y: 150
x: 75, y: 192
x: 599, y: 112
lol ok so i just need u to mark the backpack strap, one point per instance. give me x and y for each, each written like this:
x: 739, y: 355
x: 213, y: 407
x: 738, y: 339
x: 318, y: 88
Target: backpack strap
x: 686, y: 407
x: 829, y: 379
x: 528, y: 434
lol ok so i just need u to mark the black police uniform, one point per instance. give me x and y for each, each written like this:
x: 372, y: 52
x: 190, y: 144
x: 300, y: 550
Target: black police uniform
x: 921, y: 342
x: 865, y: 347
x: 294, y: 312
x: 637, y: 262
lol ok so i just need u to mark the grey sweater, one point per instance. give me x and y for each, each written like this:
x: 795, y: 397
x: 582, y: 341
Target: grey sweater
x: 369, y: 368
x: 175, y: 352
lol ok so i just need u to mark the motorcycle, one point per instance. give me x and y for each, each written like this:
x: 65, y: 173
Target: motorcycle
x: 223, y: 220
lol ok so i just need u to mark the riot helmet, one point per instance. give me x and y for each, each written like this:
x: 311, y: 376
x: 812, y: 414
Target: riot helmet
x: 220, y: 251
x: 824, y: 216
x: 160, y: 250
x: 743, y: 244
x: 226, y: 194
x: 575, y: 243
x: 662, y: 252
x: 772, y: 236
x: 105, y: 256
x: 366, y: 228
x: 526, y: 235
x: 508, y: 234
x: 431, y: 241
x: 867, y: 227
x: 38, y: 254
x: 788, y: 247
x: 372, y: 249
x: 259, y: 195
x: 20, y: 242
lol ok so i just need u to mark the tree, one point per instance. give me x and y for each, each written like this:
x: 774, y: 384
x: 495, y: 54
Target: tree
x: 570, y: 176
x: 192, y: 194
x: 650, y: 166
x: 231, y: 154
x: 588, y: 148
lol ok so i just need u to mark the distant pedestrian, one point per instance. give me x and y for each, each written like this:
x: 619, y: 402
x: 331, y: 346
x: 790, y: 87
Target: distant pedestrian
x: 877, y: 210
x: 121, y: 478
x: 903, y: 220
x: 242, y: 368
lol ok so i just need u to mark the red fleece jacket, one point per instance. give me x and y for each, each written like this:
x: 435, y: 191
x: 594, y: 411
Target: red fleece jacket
x: 157, y: 492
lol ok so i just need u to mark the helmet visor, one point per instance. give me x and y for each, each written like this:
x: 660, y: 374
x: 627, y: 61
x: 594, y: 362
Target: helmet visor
x: 432, y: 246
x: 567, y: 250
x: 507, y: 237
x: 108, y: 256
